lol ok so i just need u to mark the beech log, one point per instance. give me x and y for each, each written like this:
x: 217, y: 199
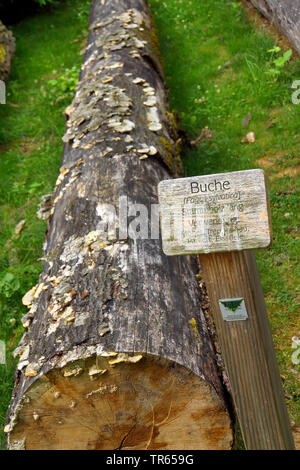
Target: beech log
x: 118, y: 354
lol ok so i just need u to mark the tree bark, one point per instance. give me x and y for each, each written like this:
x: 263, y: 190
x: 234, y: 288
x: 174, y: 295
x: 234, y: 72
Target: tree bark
x: 7, y: 48
x: 285, y: 14
x: 118, y: 353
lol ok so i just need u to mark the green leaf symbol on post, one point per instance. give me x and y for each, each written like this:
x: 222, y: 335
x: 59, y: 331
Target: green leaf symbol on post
x: 232, y: 305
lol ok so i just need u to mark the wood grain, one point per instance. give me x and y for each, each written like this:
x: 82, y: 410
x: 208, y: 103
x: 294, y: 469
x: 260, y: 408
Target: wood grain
x: 248, y: 352
x: 150, y: 404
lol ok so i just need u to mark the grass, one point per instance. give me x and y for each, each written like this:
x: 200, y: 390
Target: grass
x: 218, y: 70
x: 220, y: 67
x: 45, y: 70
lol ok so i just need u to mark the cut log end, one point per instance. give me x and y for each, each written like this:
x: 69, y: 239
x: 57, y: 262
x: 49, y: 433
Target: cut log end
x: 121, y: 402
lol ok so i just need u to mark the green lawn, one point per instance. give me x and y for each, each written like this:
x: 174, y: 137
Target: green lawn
x: 218, y: 70
x: 44, y: 74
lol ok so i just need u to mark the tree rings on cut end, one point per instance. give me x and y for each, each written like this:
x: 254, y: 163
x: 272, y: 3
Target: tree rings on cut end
x: 122, y: 402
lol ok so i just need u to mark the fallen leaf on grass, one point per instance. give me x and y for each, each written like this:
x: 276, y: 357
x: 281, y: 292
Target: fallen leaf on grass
x: 20, y: 225
x: 206, y: 134
x: 13, y: 105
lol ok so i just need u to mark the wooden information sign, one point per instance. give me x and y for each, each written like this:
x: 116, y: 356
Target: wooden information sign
x: 223, y: 217
x: 214, y: 213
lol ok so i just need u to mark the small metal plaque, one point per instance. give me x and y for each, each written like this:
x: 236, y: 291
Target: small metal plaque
x: 233, y: 309
x: 214, y: 213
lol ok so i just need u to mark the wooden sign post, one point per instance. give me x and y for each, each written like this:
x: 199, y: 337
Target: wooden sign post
x: 223, y: 217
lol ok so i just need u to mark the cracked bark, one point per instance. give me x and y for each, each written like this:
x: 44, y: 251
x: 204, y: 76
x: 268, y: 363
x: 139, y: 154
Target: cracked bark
x: 117, y: 343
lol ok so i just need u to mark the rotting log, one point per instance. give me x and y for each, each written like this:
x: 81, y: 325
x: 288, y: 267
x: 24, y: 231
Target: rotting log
x: 285, y: 15
x: 117, y: 353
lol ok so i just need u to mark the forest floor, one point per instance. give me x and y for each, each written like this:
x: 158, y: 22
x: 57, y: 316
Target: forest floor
x: 231, y: 88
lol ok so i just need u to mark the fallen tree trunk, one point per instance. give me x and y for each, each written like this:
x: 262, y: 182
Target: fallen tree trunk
x: 285, y: 14
x: 118, y: 353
